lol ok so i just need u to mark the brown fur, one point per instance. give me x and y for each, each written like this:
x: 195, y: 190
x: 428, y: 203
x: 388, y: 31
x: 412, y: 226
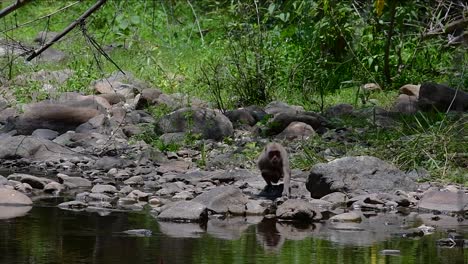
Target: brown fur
x: 273, y: 163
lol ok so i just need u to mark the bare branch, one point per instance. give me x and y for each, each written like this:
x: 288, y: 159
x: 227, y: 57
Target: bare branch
x: 66, y: 30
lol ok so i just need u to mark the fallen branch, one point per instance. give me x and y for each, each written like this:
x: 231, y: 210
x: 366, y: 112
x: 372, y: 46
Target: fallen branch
x: 88, y: 12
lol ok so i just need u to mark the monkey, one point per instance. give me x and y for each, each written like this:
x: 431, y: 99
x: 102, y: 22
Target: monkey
x: 273, y: 163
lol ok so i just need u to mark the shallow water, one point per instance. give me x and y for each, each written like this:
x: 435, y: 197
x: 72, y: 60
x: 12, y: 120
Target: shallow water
x: 47, y: 234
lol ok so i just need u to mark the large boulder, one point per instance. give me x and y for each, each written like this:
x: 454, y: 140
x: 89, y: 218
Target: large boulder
x: 223, y: 200
x: 440, y: 97
x: 10, y: 197
x: 356, y: 175
x: 59, y: 117
x: 209, y: 123
x: 34, y: 148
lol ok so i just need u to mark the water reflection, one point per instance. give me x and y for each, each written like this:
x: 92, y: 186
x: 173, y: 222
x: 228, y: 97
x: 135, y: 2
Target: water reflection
x: 7, y: 212
x: 50, y: 235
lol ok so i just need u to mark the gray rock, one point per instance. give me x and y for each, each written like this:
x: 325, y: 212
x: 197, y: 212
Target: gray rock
x: 35, y: 149
x: 138, y: 195
x: 13, y: 198
x: 101, y: 197
x: 354, y: 174
x: 240, y: 117
x: 300, y: 210
x: 347, y: 217
x: 73, y: 205
x: 224, y: 199
x: 138, y: 232
x: 444, y: 201
x: 53, y: 187
x: 35, y: 182
x: 104, y: 188
x: 277, y: 107
x: 440, y: 97
x: 210, y: 124
x: 45, y: 133
x: 135, y: 180
x: 73, y: 182
x: 183, y: 211
x: 8, y: 211
x: 297, y: 130
x: 339, y: 110
x: 282, y: 120
x: 107, y: 163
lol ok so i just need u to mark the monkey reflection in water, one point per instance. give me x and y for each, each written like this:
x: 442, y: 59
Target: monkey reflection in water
x: 273, y: 163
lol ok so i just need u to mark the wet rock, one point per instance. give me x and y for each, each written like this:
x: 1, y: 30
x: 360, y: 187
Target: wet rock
x: 444, y: 201
x: 13, y: 198
x: 210, y: 124
x: 181, y: 230
x: 53, y: 187
x: 8, y: 211
x: 255, y: 207
x: 73, y: 205
x: 73, y: 182
x: 352, y: 174
x: 336, y: 198
x: 35, y: 182
x: 183, y: 211
x: 139, y: 232
x: 347, y: 217
x: 224, y: 199
x: 299, y: 210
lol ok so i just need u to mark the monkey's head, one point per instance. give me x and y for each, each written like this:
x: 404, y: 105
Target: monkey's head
x: 274, y: 156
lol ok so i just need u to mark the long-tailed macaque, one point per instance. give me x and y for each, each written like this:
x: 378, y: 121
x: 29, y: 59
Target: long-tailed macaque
x: 273, y: 163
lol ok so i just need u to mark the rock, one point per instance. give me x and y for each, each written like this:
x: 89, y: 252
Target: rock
x: 53, y: 116
x: 45, y: 133
x: 256, y: 112
x: 440, y: 97
x: 407, y: 104
x: 183, y: 211
x: 73, y: 205
x: 73, y: 182
x: 354, y: 174
x: 183, y: 195
x: 8, y: 211
x: 106, y: 163
x: 444, y: 201
x: 347, y: 217
x: 139, y: 232
x: 255, y: 207
x: 104, y: 188
x: 135, y: 180
x: 23, y: 187
x: 339, y: 110
x: 138, y: 195
x: 240, y: 117
x: 50, y: 55
x: 148, y: 97
x: 53, y: 187
x: 100, y: 197
x: 176, y: 166
x: 336, y: 198
x: 295, y: 209
x: 112, y: 98
x: 13, y: 198
x: 276, y: 107
x: 35, y: 182
x: 297, y: 130
x: 43, y: 37
x: 410, y: 89
x: 210, y: 124
x: 282, y: 120
x: 224, y: 199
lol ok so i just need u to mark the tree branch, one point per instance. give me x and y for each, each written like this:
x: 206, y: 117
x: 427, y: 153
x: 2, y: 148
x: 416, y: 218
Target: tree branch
x: 88, y: 12
x: 13, y: 7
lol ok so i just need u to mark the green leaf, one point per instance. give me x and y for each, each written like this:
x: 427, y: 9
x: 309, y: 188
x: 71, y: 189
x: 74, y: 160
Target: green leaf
x: 271, y: 8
